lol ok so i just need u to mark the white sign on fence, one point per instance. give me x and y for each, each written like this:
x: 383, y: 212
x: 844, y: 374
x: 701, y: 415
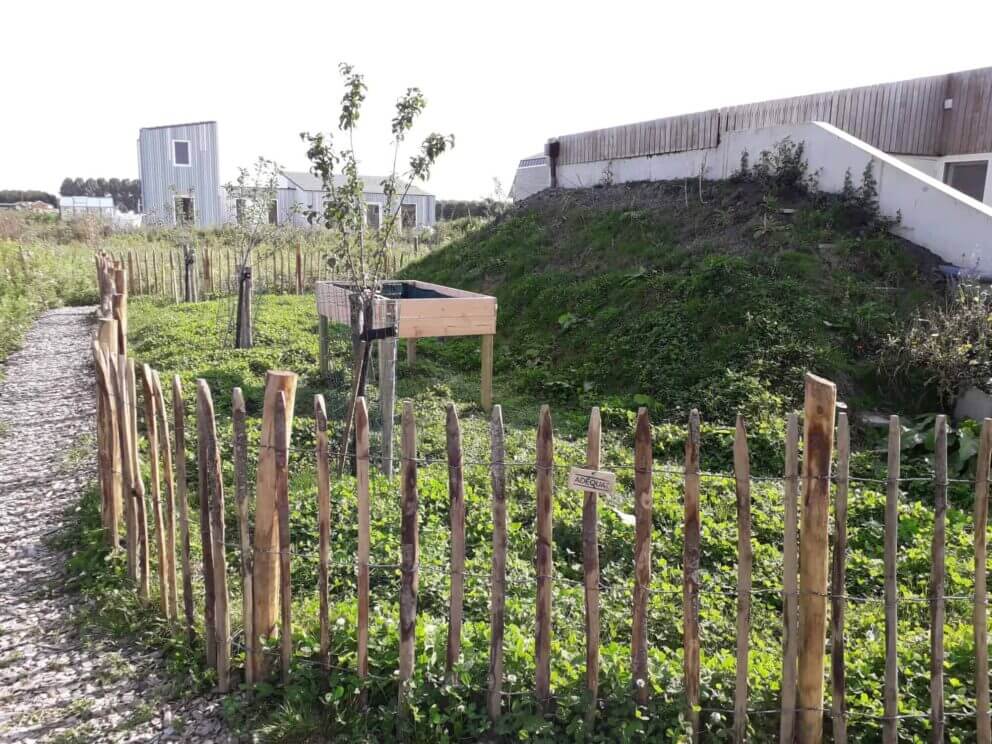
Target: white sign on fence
x: 597, y: 481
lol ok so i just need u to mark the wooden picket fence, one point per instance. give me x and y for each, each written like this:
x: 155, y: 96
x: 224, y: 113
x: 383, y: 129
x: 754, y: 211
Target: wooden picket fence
x: 265, y: 551
x: 214, y: 271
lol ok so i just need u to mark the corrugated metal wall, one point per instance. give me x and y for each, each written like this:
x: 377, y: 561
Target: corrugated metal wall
x: 905, y: 117
x: 161, y: 181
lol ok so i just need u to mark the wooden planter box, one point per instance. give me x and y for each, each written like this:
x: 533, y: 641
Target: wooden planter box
x: 422, y: 309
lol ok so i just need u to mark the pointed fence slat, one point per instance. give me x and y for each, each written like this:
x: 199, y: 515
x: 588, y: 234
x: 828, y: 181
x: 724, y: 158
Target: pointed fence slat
x: 937, y: 579
x: 590, y: 565
x: 838, y: 584
x: 222, y: 615
x: 643, y: 462
x: 742, y: 482
x: 182, y: 500
x: 119, y: 371
x: 238, y: 418
x: 497, y: 599
x: 206, y: 537
x: 544, y: 558
x: 690, y: 576
x: 165, y: 447
x: 890, y: 727
x: 323, y: 525
x: 983, y: 725
x: 151, y: 431
x: 409, y: 553
x: 138, y: 486
x: 790, y: 582
x: 456, y: 496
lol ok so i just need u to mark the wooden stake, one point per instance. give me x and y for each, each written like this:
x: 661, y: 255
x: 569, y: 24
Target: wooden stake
x: 165, y: 448
x: 497, y: 599
x: 544, y: 559
x: 643, y: 495
x: 299, y: 270
x: 790, y: 582
x: 222, y: 615
x: 182, y: 499
x: 838, y: 584
x: 265, y: 567
x: 282, y: 435
x: 814, y: 550
x: 151, y: 431
x: 937, y: 578
x: 362, y: 482
x: 108, y: 445
x: 410, y: 554
x: 238, y: 416
x: 323, y: 341
x: 487, y: 371
x: 742, y: 482
x: 203, y: 467
x: 387, y: 390
x: 411, y: 351
x: 890, y: 727
x: 983, y: 731
x: 590, y: 566
x: 690, y: 575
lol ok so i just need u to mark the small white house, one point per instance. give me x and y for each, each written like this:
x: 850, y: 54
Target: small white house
x: 300, y: 192
x: 71, y: 207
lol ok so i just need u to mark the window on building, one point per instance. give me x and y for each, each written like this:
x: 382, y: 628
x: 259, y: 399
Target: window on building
x: 273, y: 212
x: 408, y: 216
x: 184, y: 210
x: 180, y: 152
x: 373, y: 214
x: 968, y: 177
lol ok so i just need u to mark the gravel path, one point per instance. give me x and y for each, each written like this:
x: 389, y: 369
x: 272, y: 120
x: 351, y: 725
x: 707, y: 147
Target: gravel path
x: 58, y: 684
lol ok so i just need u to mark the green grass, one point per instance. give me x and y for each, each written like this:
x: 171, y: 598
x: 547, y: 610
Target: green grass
x: 187, y: 340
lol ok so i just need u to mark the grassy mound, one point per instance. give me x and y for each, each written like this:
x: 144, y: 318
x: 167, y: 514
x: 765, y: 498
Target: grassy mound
x: 642, y: 294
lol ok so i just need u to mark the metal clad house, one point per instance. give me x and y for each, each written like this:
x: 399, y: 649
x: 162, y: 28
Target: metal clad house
x: 300, y: 192
x: 180, y: 174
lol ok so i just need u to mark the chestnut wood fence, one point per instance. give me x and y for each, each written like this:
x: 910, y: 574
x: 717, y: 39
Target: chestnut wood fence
x: 813, y: 577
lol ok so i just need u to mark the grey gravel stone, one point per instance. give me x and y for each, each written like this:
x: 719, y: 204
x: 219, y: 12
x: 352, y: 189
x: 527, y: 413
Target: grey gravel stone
x: 55, y: 684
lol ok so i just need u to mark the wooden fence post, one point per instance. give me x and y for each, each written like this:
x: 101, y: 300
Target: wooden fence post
x: 814, y: 549
x: 323, y: 338
x: 238, y: 416
x: 983, y: 730
x: 890, y: 731
x: 282, y: 436
x: 323, y: 524
x: 151, y: 430
x: 203, y: 455
x: 265, y: 563
x: 410, y: 555
x: 456, y: 495
x: 215, y: 478
x: 937, y: 574
x: 182, y: 499
x: 544, y: 559
x: 170, y: 494
x: 362, y: 481
x: 497, y: 600
x: 105, y: 341
x: 138, y: 488
x: 411, y: 351
x: 590, y: 566
x: 790, y: 582
x: 742, y: 482
x: 299, y: 270
x: 690, y: 575
x: 838, y: 584
x: 643, y: 496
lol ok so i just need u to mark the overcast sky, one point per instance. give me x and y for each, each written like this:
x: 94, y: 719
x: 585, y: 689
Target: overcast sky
x: 80, y: 78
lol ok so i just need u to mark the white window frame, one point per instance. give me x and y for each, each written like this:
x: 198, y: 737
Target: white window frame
x: 189, y: 154
x: 378, y: 208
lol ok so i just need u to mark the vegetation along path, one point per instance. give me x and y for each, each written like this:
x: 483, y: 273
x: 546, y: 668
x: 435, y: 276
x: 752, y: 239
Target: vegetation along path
x: 57, y: 682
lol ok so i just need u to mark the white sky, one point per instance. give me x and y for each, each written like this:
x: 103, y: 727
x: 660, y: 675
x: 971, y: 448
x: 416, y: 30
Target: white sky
x: 80, y: 78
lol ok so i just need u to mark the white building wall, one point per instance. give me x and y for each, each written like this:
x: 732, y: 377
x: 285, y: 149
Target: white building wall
x: 954, y: 226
